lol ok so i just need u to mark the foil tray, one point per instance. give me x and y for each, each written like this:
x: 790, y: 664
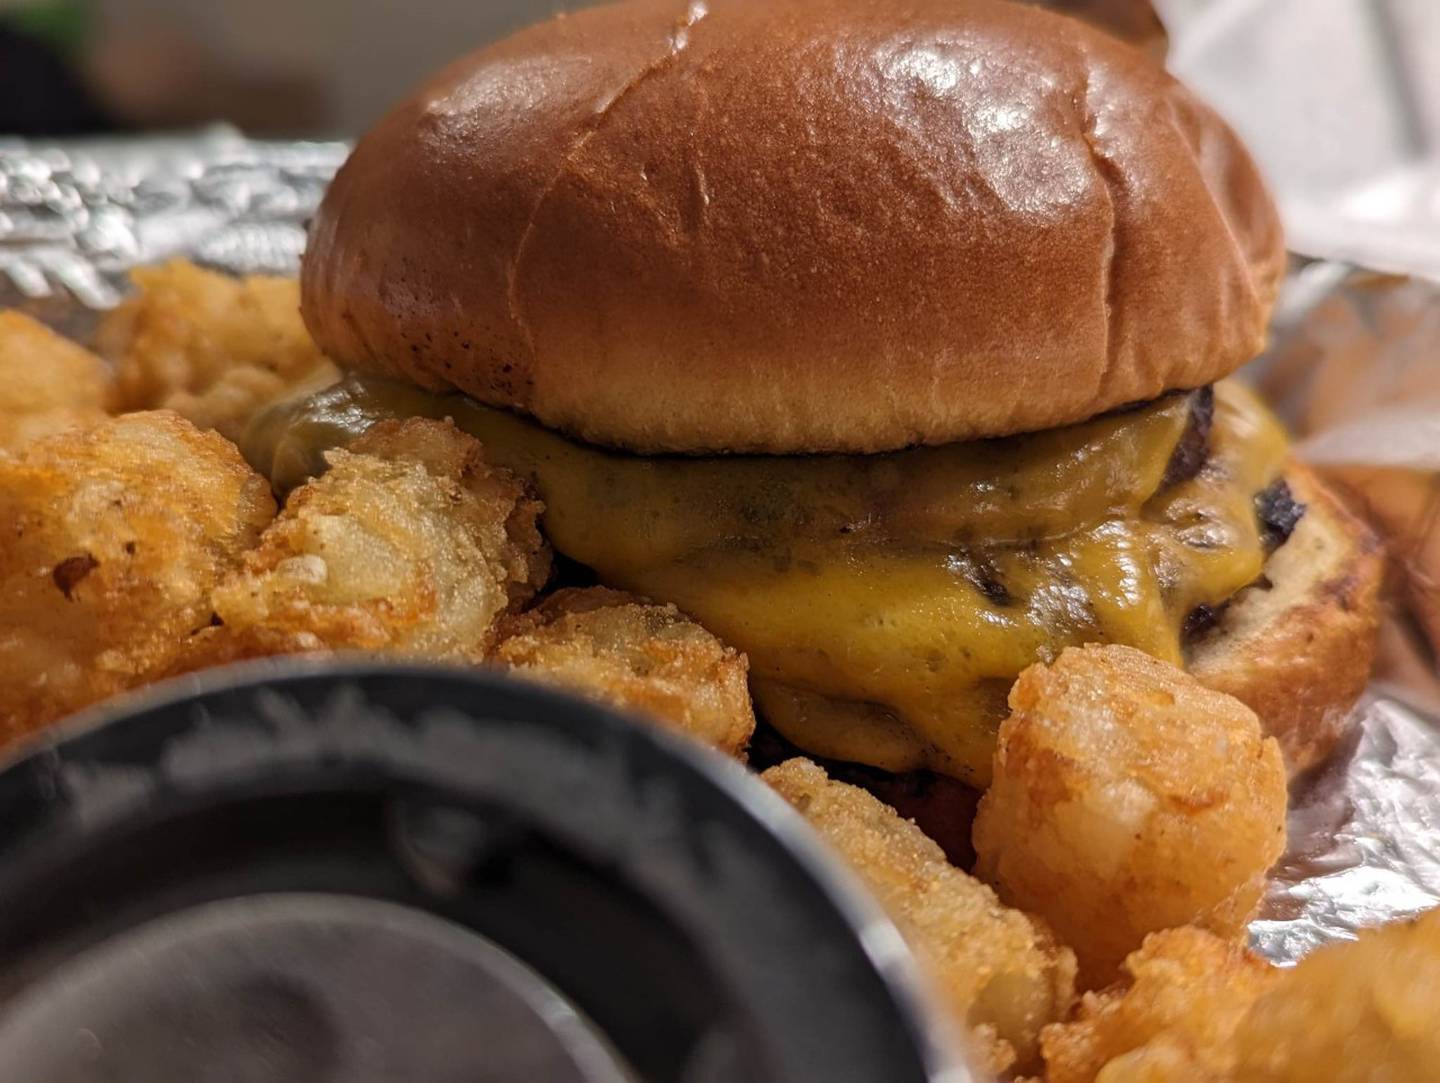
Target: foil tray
x: 75, y: 217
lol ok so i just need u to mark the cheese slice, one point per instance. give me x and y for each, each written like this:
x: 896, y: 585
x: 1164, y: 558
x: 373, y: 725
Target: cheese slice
x: 886, y: 602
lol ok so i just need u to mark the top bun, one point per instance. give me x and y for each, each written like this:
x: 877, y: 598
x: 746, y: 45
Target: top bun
x: 822, y: 225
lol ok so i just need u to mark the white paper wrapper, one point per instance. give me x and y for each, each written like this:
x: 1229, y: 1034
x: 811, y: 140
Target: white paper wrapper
x: 1340, y: 102
x: 1365, y: 835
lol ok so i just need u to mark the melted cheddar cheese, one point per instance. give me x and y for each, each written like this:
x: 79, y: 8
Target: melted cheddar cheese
x: 886, y: 602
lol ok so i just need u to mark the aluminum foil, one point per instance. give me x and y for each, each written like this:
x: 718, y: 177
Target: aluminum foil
x: 1364, y: 834
x: 74, y: 218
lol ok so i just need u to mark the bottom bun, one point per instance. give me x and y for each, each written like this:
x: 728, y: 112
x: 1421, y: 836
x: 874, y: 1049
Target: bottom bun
x: 1297, y: 648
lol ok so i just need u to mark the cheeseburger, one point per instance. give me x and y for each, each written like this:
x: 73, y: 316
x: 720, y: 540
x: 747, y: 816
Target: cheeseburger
x: 890, y: 341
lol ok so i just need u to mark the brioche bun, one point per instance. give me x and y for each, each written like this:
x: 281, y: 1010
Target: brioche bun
x: 829, y: 225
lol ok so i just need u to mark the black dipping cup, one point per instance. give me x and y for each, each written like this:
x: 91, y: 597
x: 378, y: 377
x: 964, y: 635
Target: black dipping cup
x: 298, y: 872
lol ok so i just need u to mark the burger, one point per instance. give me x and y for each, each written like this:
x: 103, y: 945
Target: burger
x: 889, y: 341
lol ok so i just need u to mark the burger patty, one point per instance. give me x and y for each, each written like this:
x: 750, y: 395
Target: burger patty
x: 1278, y: 513
x: 1194, y: 445
x: 887, y: 602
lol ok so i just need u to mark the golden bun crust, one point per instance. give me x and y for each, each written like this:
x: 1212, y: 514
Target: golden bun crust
x: 1298, y: 652
x: 828, y: 225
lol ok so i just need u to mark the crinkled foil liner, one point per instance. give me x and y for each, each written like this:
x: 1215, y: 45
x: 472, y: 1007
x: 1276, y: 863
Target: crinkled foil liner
x: 1364, y: 835
x: 74, y: 218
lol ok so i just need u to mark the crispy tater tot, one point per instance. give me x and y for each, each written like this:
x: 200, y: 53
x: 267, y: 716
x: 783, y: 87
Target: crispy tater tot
x: 1173, y: 1019
x: 633, y: 653
x: 941, y: 806
x: 111, y: 540
x: 1201, y: 1011
x: 1128, y: 798
x: 1000, y: 972
x: 408, y: 543
x: 213, y: 348
x: 1351, y: 1013
x: 47, y: 383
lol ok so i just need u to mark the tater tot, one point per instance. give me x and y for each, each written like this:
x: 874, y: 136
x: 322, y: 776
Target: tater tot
x: 47, y: 383
x: 1172, y: 1019
x: 213, y: 348
x: 635, y: 654
x: 113, y: 538
x: 1001, y: 973
x: 1357, y: 1012
x: 1202, y: 1011
x: 941, y: 806
x: 1128, y: 798
x: 409, y: 543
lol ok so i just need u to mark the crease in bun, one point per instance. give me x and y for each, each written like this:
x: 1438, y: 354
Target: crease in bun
x: 695, y: 10
x: 832, y: 225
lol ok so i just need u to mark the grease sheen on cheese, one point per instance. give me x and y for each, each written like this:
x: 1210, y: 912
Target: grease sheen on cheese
x: 886, y: 602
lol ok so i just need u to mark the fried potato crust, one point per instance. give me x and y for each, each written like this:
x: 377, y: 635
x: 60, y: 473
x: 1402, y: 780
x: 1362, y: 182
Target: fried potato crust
x: 1001, y: 972
x: 48, y: 384
x: 1199, y: 1010
x: 632, y: 653
x: 111, y: 540
x: 209, y: 346
x: 1128, y: 798
x: 1351, y: 1013
x: 1172, y: 1018
x: 409, y: 543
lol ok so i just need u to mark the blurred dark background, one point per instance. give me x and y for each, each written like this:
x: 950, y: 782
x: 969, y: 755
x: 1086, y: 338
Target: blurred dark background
x: 270, y: 67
